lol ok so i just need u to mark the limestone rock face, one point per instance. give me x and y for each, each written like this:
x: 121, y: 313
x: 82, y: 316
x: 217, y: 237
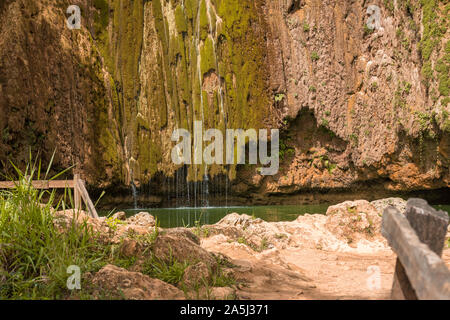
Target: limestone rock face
x: 134, y: 285
x: 382, y: 204
x: 351, y: 226
x: 359, y: 106
x: 354, y: 220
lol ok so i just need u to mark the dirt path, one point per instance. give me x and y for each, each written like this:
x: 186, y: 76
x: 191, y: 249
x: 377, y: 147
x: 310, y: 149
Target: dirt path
x: 340, y: 255
x: 345, y: 275
x: 301, y: 274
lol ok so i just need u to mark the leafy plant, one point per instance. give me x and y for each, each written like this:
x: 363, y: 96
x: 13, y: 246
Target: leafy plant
x: 306, y: 27
x: 170, y: 271
x: 279, y: 97
x: 314, y: 56
x: 113, y: 223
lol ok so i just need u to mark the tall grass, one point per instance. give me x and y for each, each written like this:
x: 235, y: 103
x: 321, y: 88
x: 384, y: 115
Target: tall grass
x: 34, y: 252
x: 37, y: 247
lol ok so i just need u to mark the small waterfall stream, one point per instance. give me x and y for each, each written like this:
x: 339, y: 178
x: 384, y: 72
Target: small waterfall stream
x: 135, y: 194
x: 193, y: 186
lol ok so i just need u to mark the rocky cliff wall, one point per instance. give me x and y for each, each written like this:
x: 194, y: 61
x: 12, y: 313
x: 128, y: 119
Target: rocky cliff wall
x: 355, y: 106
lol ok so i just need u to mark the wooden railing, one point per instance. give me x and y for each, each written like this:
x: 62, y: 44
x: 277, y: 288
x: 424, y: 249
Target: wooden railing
x: 77, y: 184
x: 417, y: 237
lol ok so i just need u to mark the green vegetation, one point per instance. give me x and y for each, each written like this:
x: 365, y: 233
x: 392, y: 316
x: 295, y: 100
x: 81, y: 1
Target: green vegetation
x: 285, y: 150
x: 170, y: 271
x: 34, y: 253
x: 37, y: 246
x: 279, y: 97
x: 367, y: 30
x: 403, y: 90
x: 324, y: 162
x: 354, y: 139
x: 434, y: 28
x: 199, y: 230
x: 306, y: 27
x: 390, y: 6
x: 374, y: 86
x: 314, y: 56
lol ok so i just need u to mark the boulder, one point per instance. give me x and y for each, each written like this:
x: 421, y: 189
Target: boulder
x: 122, y: 216
x: 239, y: 220
x: 65, y: 218
x: 130, y: 248
x: 353, y: 221
x: 382, y: 204
x: 196, y: 274
x: 183, y: 232
x: 180, y: 248
x: 118, y: 282
x: 143, y: 219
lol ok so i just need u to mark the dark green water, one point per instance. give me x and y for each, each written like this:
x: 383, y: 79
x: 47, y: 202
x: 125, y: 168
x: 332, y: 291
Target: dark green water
x: 180, y: 217
x: 186, y: 217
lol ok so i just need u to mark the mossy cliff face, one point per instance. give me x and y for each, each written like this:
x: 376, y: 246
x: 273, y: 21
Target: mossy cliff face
x: 176, y: 62
x: 356, y: 107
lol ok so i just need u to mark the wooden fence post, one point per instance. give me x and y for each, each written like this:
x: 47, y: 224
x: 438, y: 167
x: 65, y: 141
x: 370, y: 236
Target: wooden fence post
x: 430, y: 226
x: 87, y: 199
x: 76, y: 193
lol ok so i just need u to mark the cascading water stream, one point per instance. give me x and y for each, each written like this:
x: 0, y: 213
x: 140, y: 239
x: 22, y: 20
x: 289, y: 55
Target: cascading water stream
x: 195, y: 191
x: 135, y: 194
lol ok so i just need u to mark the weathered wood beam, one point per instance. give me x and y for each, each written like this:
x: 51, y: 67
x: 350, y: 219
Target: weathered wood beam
x: 427, y: 273
x: 87, y: 200
x: 76, y: 193
x: 40, y: 184
x: 430, y: 226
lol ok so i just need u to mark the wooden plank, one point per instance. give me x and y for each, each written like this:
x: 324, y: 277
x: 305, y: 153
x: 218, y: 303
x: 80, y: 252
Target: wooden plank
x: 430, y: 226
x: 426, y: 271
x: 40, y: 184
x: 402, y: 288
x: 61, y: 184
x: 87, y: 199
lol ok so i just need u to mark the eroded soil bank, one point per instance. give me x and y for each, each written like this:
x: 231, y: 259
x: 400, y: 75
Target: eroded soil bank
x: 334, y: 256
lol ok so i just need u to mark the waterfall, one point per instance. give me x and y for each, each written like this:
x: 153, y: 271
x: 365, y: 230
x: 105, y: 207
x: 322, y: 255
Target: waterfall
x: 135, y: 194
x: 194, y: 191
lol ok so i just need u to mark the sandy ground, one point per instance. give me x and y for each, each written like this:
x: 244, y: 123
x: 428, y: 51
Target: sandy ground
x: 301, y: 274
x: 340, y: 255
